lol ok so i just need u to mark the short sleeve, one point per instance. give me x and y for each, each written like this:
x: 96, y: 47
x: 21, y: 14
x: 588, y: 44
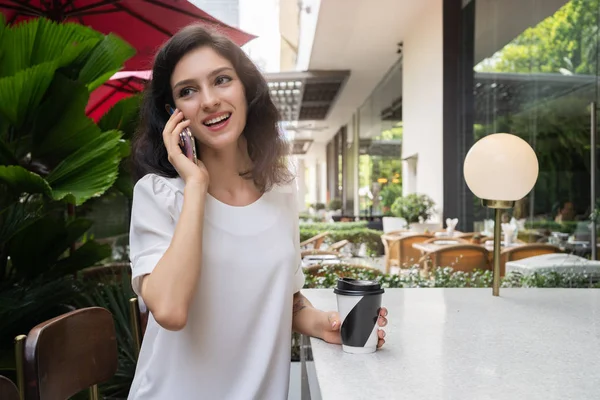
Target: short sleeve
x: 152, y: 225
x: 299, y: 274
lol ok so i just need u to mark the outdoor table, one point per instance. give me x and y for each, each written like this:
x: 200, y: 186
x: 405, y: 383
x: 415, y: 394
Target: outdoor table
x: 466, y: 344
x: 557, y: 262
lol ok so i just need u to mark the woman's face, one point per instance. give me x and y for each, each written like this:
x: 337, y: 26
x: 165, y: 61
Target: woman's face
x: 208, y: 91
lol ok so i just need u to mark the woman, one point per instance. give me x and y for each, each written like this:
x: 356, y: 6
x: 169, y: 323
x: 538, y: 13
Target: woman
x: 215, y: 245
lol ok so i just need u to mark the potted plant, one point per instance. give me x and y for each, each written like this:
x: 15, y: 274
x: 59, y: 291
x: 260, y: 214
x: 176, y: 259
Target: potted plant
x: 388, y: 196
x: 335, y: 204
x: 413, y: 207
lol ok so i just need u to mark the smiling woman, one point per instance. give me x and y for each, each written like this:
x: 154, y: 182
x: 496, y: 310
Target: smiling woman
x: 207, y: 76
x: 215, y: 243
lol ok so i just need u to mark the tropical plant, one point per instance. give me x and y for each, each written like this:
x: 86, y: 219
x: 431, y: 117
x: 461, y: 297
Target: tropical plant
x: 413, y: 207
x: 52, y: 158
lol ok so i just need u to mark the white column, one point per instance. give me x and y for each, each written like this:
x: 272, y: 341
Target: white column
x: 422, y: 102
x: 300, y: 179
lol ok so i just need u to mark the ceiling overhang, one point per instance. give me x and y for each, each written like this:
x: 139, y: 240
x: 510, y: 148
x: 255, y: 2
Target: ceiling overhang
x: 306, y: 96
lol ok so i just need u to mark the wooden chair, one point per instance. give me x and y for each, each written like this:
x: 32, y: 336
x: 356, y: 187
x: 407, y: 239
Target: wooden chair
x: 138, y: 320
x: 316, y: 241
x: 337, y: 246
x: 399, y: 251
x: 67, y: 354
x: 391, y: 247
x: 8, y: 390
x: 461, y: 257
x: 408, y: 254
x: 525, y: 251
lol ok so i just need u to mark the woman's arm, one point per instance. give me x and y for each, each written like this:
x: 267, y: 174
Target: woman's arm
x: 169, y: 289
x: 306, y: 319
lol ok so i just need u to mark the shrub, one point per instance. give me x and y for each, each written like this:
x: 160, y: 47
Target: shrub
x: 412, y: 207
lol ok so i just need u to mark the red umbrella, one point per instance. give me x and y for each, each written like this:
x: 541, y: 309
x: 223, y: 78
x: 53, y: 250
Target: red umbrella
x: 121, y: 85
x: 145, y: 24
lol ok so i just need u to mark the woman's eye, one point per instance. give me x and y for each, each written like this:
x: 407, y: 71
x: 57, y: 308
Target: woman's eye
x: 185, y: 92
x: 222, y: 79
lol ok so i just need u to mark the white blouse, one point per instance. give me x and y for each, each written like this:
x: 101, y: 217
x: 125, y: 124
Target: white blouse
x: 237, y: 340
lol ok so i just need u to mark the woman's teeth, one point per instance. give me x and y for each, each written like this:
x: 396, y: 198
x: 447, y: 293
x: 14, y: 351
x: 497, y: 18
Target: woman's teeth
x: 217, y: 120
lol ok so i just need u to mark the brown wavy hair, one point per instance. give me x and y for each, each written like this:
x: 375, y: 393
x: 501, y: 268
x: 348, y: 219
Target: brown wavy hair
x: 267, y: 147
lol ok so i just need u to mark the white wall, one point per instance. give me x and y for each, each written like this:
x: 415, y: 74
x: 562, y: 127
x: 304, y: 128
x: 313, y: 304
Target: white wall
x: 261, y: 18
x: 314, y: 162
x: 422, y: 101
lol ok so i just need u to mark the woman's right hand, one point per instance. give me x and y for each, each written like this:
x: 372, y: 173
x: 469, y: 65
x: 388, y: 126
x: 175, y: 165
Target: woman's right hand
x: 189, y: 172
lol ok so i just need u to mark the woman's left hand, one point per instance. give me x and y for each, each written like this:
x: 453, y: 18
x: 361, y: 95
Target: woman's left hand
x: 331, y: 332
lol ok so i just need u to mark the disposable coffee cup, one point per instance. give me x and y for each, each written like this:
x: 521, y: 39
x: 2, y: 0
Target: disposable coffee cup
x: 359, y: 303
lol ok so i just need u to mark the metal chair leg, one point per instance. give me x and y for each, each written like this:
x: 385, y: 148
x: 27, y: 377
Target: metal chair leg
x: 20, y: 362
x: 134, y: 321
x: 94, y: 394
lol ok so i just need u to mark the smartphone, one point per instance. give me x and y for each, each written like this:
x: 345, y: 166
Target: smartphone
x: 186, y: 140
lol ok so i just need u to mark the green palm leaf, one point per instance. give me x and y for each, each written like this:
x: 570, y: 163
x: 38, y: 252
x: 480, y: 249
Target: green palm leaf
x: 21, y: 93
x: 88, y: 172
x: 18, y: 216
x: 107, y: 58
x: 89, y: 254
x: 122, y: 116
x: 53, y: 237
x: 56, y: 138
x: 19, y: 180
x: 39, y: 41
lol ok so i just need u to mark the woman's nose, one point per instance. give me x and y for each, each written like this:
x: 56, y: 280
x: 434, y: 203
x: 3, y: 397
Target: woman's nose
x: 209, y: 100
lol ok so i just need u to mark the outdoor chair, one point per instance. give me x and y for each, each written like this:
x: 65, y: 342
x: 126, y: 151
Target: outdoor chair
x: 333, y: 250
x: 399, y: 251
x: 67, y: 354
x: 8, y: 390
x: 316, y: 241
x: 460, y: 257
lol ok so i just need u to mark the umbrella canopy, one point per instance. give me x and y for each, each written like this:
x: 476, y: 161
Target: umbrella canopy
x: 121, y: 85
x: 144, y: 24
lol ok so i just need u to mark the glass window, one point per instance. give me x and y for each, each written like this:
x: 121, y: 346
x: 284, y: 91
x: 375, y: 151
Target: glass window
x: 536, y: 76
x: 380, y: 133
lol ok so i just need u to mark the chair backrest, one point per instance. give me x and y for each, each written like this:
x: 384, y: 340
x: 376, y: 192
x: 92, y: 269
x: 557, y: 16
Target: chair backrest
x: 337, y: 246
x: 8, y: 390
x: 461, y: 257
x: 316, y: 240
x: 408, y: 254
x: 70, y: 353
x: 525, y: 251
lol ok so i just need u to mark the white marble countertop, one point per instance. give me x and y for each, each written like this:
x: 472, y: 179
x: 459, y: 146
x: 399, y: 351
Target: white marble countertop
x: 466, y: 344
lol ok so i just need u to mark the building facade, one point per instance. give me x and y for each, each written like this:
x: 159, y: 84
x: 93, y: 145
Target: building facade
x: 428, y: 79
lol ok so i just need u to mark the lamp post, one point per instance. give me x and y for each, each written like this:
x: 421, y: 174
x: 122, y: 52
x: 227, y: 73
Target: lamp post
x: 500, y: 169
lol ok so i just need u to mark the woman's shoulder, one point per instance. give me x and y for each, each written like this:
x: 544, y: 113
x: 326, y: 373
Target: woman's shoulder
x: 158, y: 184
x: 159, y: 191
